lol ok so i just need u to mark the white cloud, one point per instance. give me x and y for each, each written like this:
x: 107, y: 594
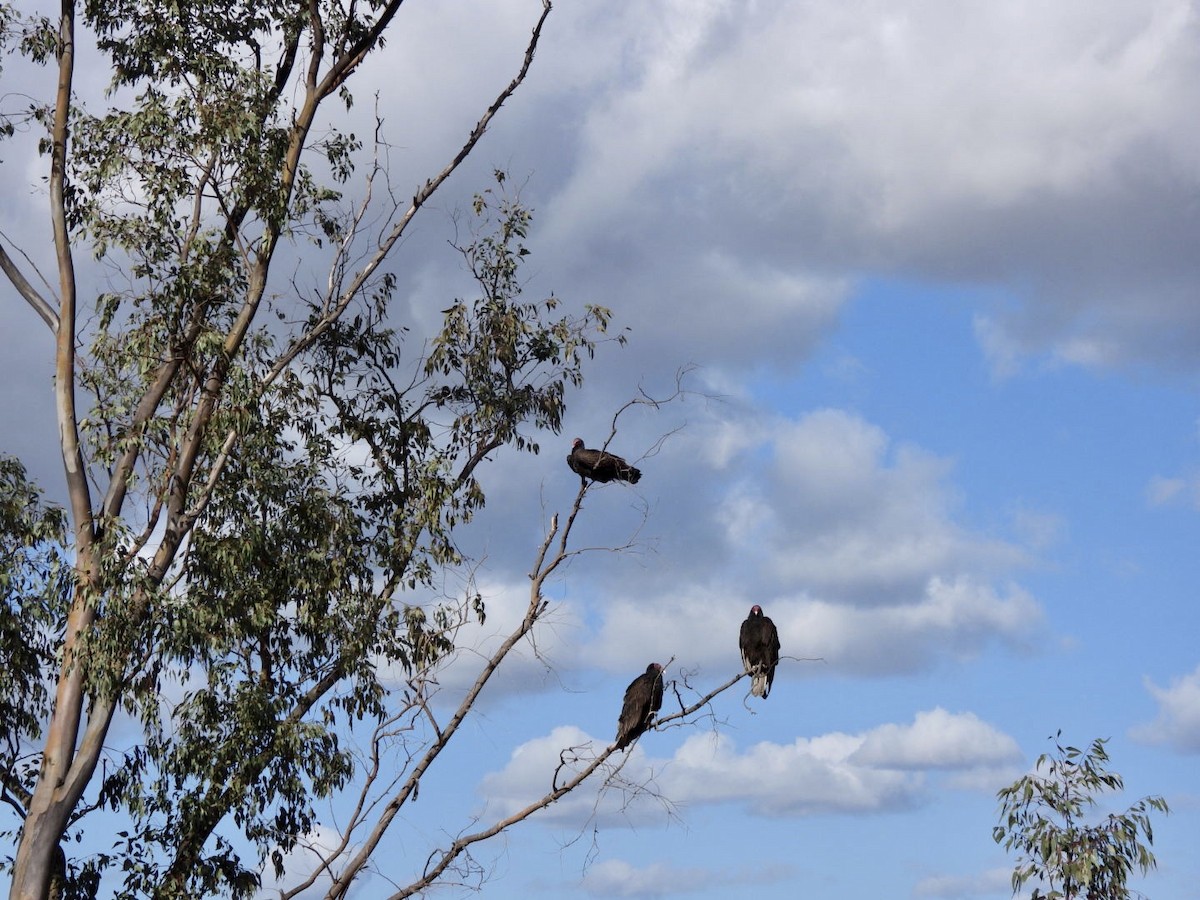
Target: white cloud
x: 1178, y: 720
x: 1162, y: 491
x: 860, y: 518
x: 617, y: 878
x: 538, y: 764
x: 828, y: 503
x: 879, y: 770
x: 954, y: 619
x: 310, y: 854
x: 850, y: 544
x: 949, y: 619
x: 938, y: 739
x: 926, y: 102
x: 1038, y: 530
x: 1002, y: 352
x: 883, y: 769
x: 806, y: 777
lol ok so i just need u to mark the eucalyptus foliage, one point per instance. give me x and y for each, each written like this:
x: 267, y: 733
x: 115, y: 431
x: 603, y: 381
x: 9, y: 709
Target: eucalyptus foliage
x: 264, y: 473
x: 1042, y: 819
x: 34, y: 584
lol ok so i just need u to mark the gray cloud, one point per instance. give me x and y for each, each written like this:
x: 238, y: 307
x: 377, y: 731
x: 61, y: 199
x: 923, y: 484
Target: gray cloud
x: 1042, y: 150
x: 724, y: 178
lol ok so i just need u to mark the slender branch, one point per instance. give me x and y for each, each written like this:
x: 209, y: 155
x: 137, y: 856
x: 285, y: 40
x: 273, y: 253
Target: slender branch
x: 306, y: 340
x: 685, y: 711
x: 363, y: 804
x: 419, y: 199
x: 542, y: 570
x: 28, y: 291
x: 342, y: 883
x: 461, y: 844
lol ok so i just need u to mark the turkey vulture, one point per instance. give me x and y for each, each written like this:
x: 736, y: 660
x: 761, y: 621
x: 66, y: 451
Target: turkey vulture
x: 759, y: 641
x: 600, y: 466
x: 642, y: 698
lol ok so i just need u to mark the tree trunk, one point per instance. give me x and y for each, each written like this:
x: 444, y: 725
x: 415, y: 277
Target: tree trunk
x: 60, y: 784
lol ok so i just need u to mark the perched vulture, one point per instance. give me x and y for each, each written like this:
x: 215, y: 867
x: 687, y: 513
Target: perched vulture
x: 600, y: 466
x: 643, y: 697
x: 759, y: 641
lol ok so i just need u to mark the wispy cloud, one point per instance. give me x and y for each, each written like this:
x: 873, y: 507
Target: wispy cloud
x: 990, y: 883
x: 1178, y: 719
x: 617, y: 878
x: 1173, y: 491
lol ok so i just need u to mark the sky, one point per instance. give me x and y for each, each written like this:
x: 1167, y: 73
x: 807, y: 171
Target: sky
x: 932, y: 269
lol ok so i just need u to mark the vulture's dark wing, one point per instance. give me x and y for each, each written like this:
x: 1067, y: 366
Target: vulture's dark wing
x: 759, y: 642
x: 600, y: 466
x: 643, y: 697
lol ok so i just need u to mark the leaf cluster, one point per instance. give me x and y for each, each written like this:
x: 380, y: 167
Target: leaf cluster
x: 35, y: 584
x: 284, y: 622
x: 1042, y: 819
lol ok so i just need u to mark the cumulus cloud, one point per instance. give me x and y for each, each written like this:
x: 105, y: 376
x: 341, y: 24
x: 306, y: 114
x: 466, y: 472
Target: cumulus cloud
x: 536, y: 765
x: 850, y: 544
x: 947, y: 620
x: 883, y: 769
x: 859, y: 517
x: 724, y: 193
x: 938, y: 739
x: 806, y: 777
x: 953, y: 619
x: 851, y: 541
x: 1178, y: 719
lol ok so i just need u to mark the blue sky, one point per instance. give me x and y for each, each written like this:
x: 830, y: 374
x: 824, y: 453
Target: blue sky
x: 939, y: 263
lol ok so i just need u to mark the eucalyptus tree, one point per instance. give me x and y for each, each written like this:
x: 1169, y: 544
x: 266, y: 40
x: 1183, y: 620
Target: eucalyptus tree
x: 1042, y: 817
x: 260, y: 474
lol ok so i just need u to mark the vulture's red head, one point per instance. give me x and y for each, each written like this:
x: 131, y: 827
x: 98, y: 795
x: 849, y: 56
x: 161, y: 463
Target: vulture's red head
x: 756, y: 610
x: 577, y: 443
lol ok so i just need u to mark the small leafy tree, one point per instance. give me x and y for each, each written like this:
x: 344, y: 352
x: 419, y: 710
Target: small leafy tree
x: 1041, y: 817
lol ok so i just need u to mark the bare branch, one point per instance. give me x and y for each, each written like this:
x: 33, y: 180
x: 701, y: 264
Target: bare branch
x: 567, y: 758
x: 422, y: 195
x: 28, y: 291
x: 645, y: 399
x: 306, y: 340
x: 433, y: 873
